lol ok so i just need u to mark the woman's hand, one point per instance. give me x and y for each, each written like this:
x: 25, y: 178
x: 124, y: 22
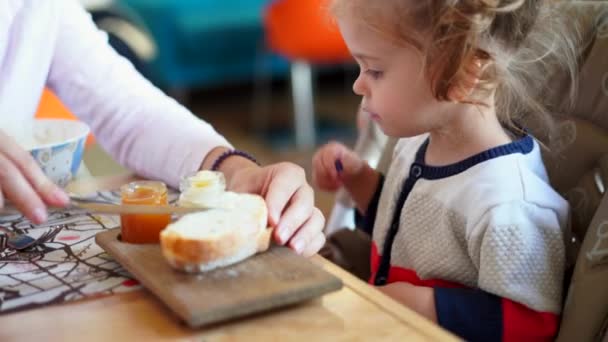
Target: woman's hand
x: 24, y: 184
x: 290, y: 203
x: 289, y: 198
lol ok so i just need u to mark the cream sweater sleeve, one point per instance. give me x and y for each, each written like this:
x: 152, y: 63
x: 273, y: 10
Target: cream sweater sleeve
x: 519, y: 250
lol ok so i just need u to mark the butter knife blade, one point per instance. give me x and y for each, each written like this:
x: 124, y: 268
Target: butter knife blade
x: 122, y: 209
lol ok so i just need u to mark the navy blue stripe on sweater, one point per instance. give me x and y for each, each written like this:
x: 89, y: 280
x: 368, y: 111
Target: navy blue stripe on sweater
x: 523, y: 145
x: 472, y: 314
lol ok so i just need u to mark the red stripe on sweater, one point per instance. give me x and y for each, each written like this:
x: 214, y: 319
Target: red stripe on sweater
x: 520, y: 323
x: 397, y: 274
x: 523, y: 324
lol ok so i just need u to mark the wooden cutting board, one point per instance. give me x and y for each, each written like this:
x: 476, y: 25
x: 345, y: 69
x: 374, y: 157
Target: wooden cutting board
x: 265, y: 281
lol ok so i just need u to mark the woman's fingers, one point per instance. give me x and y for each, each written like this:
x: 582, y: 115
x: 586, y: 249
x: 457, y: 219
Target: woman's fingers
x: 24, y: 184
x: 19, y: 191
x: 285, y: 180
x: 290, y: 202
x: 297, y: 213
x: 50, y: 193
x: 309, y: 238
x: 315, y: 246
x: 27, y: 166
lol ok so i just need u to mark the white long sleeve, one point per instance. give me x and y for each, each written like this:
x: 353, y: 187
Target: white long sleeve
x: 55, y: 43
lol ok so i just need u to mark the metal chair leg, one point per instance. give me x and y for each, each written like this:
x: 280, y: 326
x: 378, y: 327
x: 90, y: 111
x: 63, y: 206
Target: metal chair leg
x: 302, y: 92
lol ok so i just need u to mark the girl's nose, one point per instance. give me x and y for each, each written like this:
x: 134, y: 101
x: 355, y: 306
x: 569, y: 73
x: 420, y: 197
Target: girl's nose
x: 359, y: 87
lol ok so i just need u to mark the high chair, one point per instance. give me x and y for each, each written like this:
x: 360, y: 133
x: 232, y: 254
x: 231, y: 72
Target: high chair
x: 578, y: 170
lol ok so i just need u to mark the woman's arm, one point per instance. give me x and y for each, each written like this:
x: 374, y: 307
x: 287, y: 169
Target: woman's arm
x: 142, y: 128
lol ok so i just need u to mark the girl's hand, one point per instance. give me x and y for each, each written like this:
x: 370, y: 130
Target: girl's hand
x: 24, y: 184
x: 334, y: 164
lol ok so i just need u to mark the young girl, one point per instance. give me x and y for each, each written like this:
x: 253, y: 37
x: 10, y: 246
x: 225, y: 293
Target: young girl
x: 465, y: 227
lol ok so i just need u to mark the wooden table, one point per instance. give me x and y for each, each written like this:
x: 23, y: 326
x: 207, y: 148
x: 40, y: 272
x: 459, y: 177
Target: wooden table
x: 356, y: 312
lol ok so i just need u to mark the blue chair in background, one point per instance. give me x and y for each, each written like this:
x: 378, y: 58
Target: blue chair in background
x: 203, y: 43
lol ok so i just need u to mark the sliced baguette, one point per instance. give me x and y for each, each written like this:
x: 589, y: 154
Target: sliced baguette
x: 216, y: 238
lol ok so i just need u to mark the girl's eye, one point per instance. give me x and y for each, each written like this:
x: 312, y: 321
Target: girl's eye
x: 375, y: 74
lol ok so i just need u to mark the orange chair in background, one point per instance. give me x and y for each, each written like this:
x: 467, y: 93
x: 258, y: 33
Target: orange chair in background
x: 50, y: 107
x: 303, y: 32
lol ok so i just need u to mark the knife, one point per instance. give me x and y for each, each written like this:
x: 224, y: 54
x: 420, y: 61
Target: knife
x: 117, y: 209
x: 122, y: 209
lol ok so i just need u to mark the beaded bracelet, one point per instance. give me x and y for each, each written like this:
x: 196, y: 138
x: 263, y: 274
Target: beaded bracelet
x: 229, y: 153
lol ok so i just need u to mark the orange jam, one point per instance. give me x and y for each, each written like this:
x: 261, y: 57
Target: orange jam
x: 143, y: 228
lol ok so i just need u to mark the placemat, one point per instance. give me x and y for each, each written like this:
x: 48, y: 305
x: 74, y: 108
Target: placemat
x: 70, y: 267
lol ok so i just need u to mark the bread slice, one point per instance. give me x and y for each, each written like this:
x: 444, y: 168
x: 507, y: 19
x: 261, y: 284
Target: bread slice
x: 220, y: 237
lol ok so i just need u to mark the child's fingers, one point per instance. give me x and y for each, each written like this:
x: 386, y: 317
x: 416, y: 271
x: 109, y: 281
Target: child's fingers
x: 323, y: 180
x: 343, y: 161
x: 349, y: 162
x: 324, y: 175
x: 317, y: 170
x: 332, y: 164
x: 328, y: 162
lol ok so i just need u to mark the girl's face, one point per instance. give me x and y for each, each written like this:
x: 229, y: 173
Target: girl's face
x: 396, y: 94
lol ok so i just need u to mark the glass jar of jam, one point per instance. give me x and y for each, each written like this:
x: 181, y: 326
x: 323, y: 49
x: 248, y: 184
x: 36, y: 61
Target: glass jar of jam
x: 143, y: 228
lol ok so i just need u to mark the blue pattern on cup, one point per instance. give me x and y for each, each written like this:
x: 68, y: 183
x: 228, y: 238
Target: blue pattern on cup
x: 60, y: 163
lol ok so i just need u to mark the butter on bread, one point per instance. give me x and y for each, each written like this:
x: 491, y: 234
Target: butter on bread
x: 203, y: 241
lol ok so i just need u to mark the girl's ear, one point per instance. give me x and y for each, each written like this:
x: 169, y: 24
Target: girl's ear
x: 464, y: 85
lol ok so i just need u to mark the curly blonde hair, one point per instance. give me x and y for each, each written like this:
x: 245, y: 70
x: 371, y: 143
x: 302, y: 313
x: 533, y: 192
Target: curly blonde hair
x: 517, y: 43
